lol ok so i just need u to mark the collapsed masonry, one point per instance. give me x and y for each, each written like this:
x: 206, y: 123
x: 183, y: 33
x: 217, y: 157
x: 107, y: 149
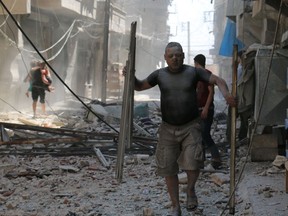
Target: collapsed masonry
x: 79, y: 132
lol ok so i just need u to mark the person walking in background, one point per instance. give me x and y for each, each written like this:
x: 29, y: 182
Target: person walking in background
x: 40, y: 81
x: 46, y: 76
x: 180, y: 140
x: 28, y: 78
x: 205, y: 98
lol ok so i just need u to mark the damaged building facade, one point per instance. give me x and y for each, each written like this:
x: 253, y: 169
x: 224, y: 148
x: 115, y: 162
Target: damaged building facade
x: 86, y: 42
x: 262, y: 28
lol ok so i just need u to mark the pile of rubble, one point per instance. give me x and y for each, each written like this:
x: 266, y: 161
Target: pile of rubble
x: 68, y: 177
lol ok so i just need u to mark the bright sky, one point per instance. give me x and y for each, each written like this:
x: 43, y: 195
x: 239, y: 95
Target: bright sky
x: 199, y: 14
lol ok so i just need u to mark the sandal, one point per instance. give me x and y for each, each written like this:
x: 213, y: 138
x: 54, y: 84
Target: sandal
x: 192, y: 203
x: 175, y: 212
x: 216, y: 163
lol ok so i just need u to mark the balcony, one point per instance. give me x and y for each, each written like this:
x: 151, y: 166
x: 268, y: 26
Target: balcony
x: 68, y: 7
x: 17, y: 7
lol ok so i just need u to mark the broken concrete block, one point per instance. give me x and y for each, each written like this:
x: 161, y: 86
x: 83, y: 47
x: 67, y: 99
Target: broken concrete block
x: 279, y: 161
x: 69, y: 168
x: 220, y: 178
x: 182, y: 178
x: 98, y: 109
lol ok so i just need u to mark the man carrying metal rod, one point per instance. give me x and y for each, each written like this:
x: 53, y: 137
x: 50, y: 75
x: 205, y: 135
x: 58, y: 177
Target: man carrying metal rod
x: 180, y: 141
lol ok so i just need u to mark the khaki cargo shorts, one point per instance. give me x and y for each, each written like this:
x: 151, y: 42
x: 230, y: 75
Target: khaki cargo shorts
x: 179, y: 147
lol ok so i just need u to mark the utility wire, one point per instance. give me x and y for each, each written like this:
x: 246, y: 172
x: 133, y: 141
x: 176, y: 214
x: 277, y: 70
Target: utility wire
x: 10, y: 105
x: 67, y: 34
x: 32, y: 44
x: 4, y: 22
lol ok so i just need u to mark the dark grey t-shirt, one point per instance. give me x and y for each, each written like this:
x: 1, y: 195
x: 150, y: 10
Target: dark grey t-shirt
x: 178, y: 93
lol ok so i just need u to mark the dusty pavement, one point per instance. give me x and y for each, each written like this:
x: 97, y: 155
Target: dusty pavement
x: 32, y: 185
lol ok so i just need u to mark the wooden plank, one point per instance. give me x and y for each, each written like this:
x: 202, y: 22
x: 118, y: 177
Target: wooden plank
x: 61, y: 131
x: 74, y: 133
x: 125, y: 134
x: 32, y: 122
x: 101, y: 157
x: 41, y: 141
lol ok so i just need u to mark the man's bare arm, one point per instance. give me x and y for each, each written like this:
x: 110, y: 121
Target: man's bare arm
x: 222, y: 85
x: 141, y: 85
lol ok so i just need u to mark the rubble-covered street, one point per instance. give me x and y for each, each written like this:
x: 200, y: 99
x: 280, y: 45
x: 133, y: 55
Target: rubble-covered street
x: 78, y: 135
x: 53, y: 179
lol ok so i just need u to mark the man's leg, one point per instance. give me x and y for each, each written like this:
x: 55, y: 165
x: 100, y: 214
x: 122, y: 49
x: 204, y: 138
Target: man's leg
x: 34, y: 95
x: 167, y: 153
x: 244, y: 117
x: 34, y: 105
x: 42, y: 101
x: 192, y: 201
x: 208, y: 141
x: 43, y: 108
x: 172, y: 183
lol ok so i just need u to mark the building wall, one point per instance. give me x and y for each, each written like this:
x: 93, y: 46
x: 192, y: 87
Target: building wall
x: 69, y: 35
x: 225, y: 69
x: 54, y: 29
x: 152, y: 31
x: 260, y: 29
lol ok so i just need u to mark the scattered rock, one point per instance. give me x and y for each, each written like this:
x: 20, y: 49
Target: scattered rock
x: 220, y: 178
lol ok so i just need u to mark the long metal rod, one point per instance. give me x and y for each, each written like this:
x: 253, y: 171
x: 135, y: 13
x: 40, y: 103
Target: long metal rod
x: 233, y: 132
x: 127, y: 111
x: 131, y: 85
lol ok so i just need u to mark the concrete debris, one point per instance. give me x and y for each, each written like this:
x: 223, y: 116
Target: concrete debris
x: 100, y: 110
x: 76, y: 185
x: 4, y: 134
x: 102, y: 159
x: 220, y: 178
x: 182, y: 178
x: 275, y: 170
x: 69, y: 168
x: 148, y: 212
x: 279, y: 161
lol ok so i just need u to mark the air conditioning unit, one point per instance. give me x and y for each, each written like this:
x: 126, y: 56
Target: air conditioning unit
x: 261, y: 9
x: 275, y: 99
